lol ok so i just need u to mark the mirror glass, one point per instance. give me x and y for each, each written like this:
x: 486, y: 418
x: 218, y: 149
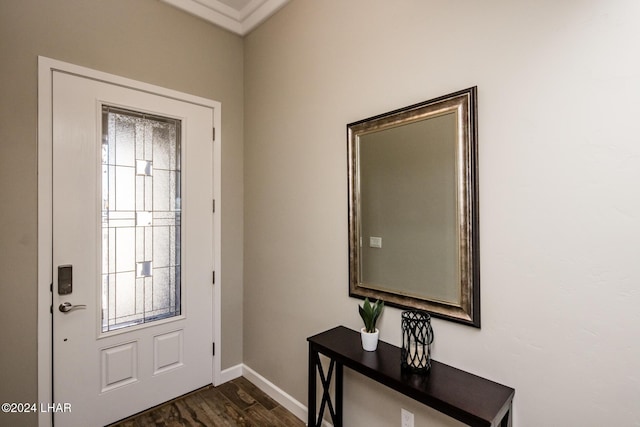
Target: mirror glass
x: 413, y: 207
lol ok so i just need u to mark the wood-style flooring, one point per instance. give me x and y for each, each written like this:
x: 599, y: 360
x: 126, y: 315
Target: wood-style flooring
x: 235, y: 403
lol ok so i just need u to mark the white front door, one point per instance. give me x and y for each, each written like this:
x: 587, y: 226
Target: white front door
x: 132, y: 249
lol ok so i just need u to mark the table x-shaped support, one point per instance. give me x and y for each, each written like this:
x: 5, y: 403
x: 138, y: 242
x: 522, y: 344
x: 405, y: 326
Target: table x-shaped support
x: 335, y: 413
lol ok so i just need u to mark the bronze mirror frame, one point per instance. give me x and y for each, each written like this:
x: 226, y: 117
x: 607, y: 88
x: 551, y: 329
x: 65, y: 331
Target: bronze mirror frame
x: 464, y: 104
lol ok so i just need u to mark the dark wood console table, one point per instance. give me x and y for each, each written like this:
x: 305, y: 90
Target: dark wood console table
x: 468, y: 398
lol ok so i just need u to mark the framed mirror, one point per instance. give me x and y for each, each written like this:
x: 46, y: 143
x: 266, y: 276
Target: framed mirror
x: 413, y: 208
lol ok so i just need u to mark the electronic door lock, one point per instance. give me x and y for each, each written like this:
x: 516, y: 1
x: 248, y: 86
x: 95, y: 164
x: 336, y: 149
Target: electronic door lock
x: 65, y: 279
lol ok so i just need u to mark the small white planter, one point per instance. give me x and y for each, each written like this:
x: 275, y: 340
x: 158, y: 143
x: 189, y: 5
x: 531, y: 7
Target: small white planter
x: 369, y: 339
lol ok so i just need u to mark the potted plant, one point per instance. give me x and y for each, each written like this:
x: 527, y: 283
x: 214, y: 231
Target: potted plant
x: 370, y: 314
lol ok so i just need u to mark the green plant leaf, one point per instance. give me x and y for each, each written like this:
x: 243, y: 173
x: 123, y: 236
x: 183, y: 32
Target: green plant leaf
x: 370, y: 313
x: 363, y: 314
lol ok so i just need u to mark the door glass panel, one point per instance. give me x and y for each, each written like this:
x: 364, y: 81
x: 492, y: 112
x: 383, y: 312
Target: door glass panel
x: 140, y: 218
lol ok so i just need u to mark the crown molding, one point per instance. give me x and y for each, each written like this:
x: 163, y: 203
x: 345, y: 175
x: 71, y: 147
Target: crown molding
x: 239, y: 21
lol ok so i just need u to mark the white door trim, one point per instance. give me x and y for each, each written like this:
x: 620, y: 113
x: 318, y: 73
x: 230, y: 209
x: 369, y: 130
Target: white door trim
x: 46, y: 67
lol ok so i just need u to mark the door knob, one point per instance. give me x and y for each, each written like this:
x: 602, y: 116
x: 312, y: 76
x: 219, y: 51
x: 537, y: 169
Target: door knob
x: 66, y: 307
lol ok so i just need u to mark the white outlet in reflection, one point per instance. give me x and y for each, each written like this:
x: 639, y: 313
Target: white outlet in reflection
x: 406, y: 418
x: 375, y: 242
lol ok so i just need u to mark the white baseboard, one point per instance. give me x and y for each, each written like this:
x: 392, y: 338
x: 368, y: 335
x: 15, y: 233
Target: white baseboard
x: 273, y: 391
x: 276, y: 393
x: 230, y: 374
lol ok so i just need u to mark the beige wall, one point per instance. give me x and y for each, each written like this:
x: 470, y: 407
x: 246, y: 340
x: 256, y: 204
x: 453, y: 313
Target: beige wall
x: 145, y: 40
x: 558, y: 180
x: 558, y: 162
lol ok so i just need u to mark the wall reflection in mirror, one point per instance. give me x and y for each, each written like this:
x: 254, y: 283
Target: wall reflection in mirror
x: 413, y: 220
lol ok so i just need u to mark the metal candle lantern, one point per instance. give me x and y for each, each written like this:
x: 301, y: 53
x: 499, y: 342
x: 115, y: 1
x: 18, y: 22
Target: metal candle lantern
x: 417, y: 336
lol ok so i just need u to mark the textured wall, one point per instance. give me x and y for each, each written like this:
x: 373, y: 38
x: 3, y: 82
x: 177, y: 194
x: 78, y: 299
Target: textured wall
x: 145, y: 40
x: 559, y: 199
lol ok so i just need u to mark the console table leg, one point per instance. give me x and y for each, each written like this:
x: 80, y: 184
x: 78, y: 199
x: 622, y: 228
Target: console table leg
x: 315, y: 365
x: 338, y: 394
x: 311, y: 396
x: 326, y: 395
x: 507, y: 420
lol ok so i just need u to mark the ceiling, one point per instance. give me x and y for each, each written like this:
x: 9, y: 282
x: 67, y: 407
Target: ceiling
x: 237, y: 16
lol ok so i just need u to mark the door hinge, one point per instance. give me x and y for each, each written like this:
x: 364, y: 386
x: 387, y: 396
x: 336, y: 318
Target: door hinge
x: 214, y: 205
x: 51, y: 309
x: 214, y: 278
x: 213, y: 349
x: 214, y: 134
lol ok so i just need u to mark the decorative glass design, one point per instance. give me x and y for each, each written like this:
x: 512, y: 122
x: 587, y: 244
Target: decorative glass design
x: 140, y: 218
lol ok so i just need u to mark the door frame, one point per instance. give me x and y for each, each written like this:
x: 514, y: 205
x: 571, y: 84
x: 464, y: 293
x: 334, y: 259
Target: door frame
x: 46, y: 67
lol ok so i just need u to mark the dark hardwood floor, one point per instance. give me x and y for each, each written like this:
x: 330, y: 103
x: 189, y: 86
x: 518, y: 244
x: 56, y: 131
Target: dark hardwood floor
x: 236, y: 403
